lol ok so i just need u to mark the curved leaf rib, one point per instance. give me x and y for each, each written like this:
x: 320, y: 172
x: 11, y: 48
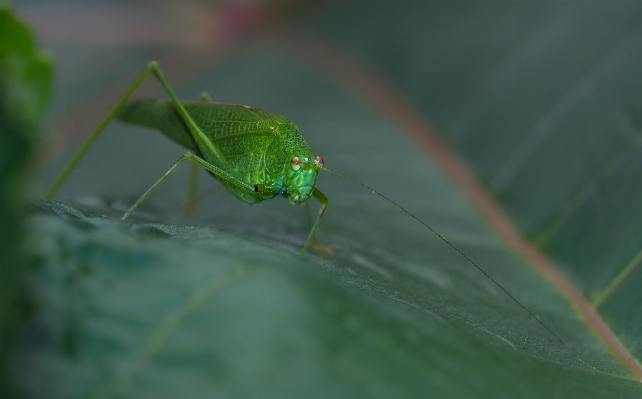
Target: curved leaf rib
x: 635, y: 262
x: 158, y: 338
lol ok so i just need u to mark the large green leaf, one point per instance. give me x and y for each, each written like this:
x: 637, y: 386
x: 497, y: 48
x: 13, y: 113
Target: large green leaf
x: 217, y: 304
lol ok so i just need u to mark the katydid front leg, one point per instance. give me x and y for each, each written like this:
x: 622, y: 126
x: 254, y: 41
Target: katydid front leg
x: 316, y: 193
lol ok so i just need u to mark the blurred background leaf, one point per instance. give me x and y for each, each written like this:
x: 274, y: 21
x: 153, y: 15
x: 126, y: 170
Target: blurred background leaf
x: 537, y: 101
x: 25, y: 86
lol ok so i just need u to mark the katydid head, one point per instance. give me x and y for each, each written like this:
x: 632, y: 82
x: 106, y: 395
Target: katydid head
x: 300, y: 176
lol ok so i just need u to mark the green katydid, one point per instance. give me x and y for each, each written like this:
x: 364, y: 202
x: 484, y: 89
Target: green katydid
x: 256, y: 155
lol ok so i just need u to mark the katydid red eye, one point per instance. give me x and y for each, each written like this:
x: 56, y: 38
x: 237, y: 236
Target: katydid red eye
x: 295, y: 163
x: 318, y: 160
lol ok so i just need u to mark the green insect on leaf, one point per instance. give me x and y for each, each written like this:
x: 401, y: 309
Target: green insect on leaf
x: 254, y: 154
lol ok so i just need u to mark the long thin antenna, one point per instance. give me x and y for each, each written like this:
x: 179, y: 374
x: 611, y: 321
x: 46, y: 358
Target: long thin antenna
x: 451, y: 245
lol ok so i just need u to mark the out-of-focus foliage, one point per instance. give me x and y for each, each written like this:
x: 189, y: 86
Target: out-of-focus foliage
x: 25, y: 83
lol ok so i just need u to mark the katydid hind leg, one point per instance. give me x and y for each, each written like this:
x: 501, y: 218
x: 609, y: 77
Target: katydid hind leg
x: 204, y: 143
x: 156, y: 71
x: 69, y: 166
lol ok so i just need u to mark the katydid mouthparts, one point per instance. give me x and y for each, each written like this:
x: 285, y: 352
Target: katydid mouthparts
x: 254, y: 154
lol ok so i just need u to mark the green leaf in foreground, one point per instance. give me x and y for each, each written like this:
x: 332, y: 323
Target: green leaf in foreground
x: 162, y: 311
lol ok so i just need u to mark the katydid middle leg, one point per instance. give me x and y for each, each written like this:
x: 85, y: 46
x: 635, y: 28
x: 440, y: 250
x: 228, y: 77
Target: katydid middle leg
x: 198, y: 161
x: 189, y: 206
